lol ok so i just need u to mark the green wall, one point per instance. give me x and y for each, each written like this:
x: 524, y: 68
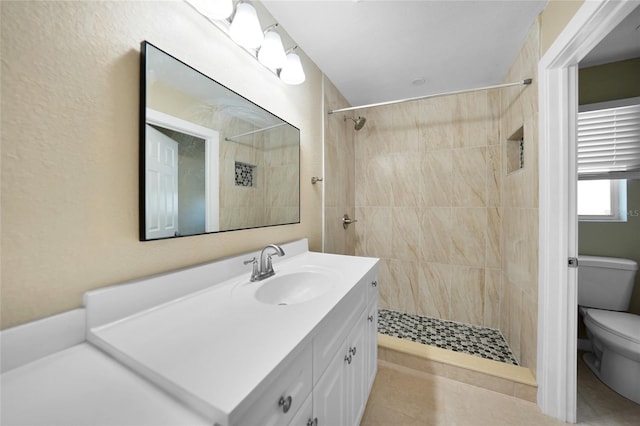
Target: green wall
x: 617, y: 80
x: 603, y: 83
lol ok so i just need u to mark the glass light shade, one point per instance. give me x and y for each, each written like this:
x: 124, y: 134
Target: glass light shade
x: 245, y: 28
x: 271, y: 53
x: 214, y: 9
x: 292, y: 72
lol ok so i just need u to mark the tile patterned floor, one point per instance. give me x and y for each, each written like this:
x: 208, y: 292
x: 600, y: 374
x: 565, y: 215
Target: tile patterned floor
x: 471, y: 339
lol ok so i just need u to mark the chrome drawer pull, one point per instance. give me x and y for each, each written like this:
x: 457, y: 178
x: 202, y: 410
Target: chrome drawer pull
x: 313, y: 422
x: 285, y: 403
x: 347, y: 358
x: 352, y: 351
x: 374, y: 283
x: 370, y: 318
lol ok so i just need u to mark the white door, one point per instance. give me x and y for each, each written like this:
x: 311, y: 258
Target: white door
x: 161, y: 185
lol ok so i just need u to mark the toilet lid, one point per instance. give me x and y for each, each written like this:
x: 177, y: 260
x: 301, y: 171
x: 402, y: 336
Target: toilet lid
x: 622, y: 324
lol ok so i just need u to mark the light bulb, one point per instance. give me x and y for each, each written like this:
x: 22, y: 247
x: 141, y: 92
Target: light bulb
x: 271, y: 53
x: 292, y: 72
x: 245, y: 28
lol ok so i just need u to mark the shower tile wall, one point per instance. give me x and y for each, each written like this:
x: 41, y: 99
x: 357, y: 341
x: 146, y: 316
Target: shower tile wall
x: 339, y: 175
x: 427, y: 194
x: 519, y: 302
x: 456, y: 235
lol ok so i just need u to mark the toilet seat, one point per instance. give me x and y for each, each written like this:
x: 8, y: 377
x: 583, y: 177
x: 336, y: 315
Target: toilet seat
x: 622, y: 324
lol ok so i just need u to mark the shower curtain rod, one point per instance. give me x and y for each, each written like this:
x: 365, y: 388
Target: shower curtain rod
x: 264, y: 129
x: 458, y: 92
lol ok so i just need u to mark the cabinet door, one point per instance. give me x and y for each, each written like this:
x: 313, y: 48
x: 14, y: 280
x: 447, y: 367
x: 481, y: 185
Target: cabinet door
x: 329, y: 394
x: 371, y: 343
x: 356, y: 378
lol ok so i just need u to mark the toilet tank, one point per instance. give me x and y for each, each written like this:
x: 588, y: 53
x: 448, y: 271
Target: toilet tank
x: 605, y: 282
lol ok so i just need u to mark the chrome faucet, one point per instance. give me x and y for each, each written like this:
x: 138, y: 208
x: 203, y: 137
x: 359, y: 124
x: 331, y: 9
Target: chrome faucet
x: 265, y: 268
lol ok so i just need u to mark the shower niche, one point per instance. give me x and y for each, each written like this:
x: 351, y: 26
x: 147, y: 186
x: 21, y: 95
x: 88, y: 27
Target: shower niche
x: 515, y: 151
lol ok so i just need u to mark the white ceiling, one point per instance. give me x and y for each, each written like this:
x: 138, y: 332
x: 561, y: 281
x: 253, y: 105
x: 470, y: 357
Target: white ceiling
x: 375, y: 51
x: 622, y: 43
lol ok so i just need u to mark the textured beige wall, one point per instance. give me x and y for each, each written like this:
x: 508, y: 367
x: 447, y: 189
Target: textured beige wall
x: 70, y: 75
x: 555, y: 16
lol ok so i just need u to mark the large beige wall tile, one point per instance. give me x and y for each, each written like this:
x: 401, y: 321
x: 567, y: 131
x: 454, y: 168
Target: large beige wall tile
x: 493, y: 294
x: 437, y: 178
x: 404, y: 238
x: 467, y: 294
x: 406, y: 184
x: 435, y: 231
x: 437, y: 131
x: 377, y: 230
x: 376, y: 181
x: 469, y: 177
x: 404, y: 286
x: 493, y: 256
x: 434, y: 284
x: 468, y: 236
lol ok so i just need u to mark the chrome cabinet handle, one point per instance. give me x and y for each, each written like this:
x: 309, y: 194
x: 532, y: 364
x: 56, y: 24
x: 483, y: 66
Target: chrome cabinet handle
x: 347, y: 358
x: 285, y: 403
x: 370, y: 318
x: 352, y: 351
x: 313, y: 422
x: 374, y: 283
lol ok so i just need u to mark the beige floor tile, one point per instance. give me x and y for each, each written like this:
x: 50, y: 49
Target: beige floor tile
x: 599, y: 405
x: 405, y: 397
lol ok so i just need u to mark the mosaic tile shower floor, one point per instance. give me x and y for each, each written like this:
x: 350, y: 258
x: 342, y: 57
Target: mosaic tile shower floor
x: 471, y: 339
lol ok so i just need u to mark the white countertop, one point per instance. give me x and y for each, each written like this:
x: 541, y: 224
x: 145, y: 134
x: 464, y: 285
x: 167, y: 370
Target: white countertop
x: 214, y: 347
x: 83, y: 386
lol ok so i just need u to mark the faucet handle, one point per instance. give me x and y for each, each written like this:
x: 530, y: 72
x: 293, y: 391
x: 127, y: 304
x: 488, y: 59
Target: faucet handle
x: 254, y: 273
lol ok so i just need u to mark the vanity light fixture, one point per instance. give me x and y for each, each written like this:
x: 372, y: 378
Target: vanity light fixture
x: 245, y: 27
x: 271, y: 54
x: 292, y: 72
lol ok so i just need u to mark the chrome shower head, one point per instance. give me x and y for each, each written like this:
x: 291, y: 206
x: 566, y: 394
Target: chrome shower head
x: 359, y: 122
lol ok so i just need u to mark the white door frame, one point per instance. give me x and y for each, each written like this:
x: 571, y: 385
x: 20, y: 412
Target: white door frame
x: 212, y: 153
x: 557, y: 288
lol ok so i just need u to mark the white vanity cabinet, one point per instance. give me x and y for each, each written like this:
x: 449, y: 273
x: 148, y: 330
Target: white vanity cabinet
x: 342, y: 388
x: 239, y: 360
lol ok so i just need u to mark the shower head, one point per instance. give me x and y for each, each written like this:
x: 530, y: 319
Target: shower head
x: 359, y: 122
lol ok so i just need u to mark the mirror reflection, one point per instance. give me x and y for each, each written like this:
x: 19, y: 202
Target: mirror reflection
x: 211, y: 160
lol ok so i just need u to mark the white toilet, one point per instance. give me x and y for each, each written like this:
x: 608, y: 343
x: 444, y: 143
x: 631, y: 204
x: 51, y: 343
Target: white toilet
x: 604, y: 291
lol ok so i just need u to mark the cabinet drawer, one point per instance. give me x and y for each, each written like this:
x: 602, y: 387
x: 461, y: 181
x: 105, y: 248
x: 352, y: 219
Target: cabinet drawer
x: 335, y: 326
x: 279, y: 403
x: 304, y: 416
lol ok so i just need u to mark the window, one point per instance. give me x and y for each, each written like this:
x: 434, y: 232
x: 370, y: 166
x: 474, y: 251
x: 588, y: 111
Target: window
x: 602, y: 200
x: 608, y: 154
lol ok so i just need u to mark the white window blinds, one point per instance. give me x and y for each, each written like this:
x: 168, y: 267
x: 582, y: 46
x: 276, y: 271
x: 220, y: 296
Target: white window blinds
x: 609, y: 143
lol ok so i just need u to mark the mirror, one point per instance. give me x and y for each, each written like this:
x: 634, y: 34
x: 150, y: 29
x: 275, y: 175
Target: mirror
x: 210, y: 160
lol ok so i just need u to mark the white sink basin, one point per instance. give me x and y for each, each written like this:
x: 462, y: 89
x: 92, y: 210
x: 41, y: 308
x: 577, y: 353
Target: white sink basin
x: 294, y: 287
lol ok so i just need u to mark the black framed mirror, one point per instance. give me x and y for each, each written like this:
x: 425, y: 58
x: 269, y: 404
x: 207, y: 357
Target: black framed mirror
x: 210, y: 159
